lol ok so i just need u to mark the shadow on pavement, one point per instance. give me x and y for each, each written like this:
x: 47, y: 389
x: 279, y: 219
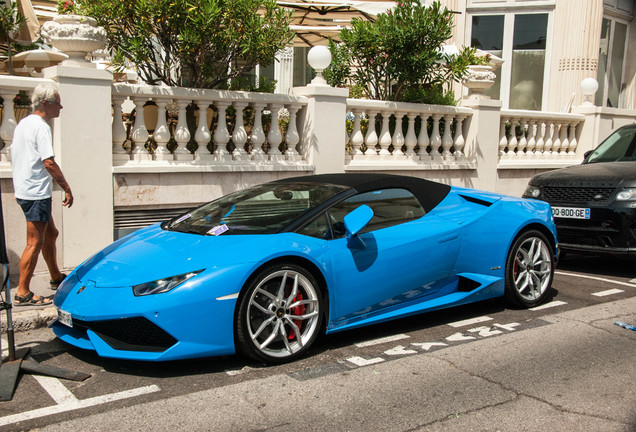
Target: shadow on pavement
x: 598, y: 265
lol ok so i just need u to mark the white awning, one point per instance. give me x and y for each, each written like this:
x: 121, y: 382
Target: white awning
x: 314, y: 21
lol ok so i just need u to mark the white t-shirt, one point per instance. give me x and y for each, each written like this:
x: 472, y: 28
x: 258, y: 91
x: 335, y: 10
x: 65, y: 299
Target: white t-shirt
x: 32, y: 144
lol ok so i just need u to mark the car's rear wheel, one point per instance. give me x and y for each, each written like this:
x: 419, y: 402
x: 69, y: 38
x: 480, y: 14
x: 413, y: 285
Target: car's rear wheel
x: 529, y: 269
x: 279, y: 314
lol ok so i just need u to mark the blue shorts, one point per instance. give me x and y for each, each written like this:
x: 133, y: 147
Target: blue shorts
x: 36, y: 210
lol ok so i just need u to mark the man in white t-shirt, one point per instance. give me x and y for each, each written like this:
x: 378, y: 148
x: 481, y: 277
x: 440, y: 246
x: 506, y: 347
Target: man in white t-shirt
x: 34, y: 168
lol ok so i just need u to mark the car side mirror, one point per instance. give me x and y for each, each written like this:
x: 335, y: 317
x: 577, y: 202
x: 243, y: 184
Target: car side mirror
x: 357, y: 220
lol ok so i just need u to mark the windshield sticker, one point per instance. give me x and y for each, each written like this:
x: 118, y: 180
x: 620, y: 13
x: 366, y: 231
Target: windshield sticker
x: 182, y: 218
x: 218, y: 230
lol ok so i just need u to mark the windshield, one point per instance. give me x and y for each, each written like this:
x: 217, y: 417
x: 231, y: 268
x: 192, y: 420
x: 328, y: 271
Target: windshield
x: 264, y: 209
x: 618, y: 147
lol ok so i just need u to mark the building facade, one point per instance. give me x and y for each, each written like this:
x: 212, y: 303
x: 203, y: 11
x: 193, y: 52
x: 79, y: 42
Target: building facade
x: 548, y: 48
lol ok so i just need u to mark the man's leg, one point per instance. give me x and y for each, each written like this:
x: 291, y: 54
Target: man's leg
x: 49, y: 250
x: 35, y: 238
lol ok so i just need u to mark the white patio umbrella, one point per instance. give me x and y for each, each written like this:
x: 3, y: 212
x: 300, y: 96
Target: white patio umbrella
x: 314, y: 21
x: 38, y: 59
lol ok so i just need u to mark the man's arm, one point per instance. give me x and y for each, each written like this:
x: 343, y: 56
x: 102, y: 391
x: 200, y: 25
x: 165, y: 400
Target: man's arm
x: 56, y: 172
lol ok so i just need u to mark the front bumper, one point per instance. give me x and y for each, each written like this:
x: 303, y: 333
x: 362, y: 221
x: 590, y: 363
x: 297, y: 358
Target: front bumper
x: 608, y: 231
x: 183, y: 323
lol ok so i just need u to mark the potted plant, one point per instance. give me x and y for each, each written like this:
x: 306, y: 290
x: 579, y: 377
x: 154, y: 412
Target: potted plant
x: 74, y: 34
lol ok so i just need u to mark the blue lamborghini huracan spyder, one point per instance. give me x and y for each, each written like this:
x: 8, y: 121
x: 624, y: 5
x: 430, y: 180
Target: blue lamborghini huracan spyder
x: 265, y: 270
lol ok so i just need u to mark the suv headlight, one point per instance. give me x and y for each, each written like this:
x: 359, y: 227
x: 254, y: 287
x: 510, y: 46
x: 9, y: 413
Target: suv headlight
x: 162, y: 285
x: 628, y: 194
x: 532, y: 192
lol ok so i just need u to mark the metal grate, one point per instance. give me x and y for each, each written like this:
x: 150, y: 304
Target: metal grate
x: 126, y: 219
x: 577, y: 194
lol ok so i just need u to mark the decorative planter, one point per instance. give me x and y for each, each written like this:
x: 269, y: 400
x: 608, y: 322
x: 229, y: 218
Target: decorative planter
x: 479, y: 78
x: 76, y: 36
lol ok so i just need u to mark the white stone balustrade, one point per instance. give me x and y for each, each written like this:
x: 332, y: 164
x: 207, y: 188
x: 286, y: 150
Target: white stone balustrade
x: 239, y: 140
x: 398, y: 134
x: 9, y: 89
x: 528, y: 137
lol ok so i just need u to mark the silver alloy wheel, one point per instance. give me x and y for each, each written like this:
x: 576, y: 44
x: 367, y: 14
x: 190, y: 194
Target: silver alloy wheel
x: 283, y: 313
x: 532, y: 271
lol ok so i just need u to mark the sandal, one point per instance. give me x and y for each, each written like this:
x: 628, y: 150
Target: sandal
x: 28, y: 300
x: 55, y: 284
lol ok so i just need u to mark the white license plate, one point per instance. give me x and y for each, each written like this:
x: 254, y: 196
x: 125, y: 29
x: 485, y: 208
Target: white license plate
x: 64, y: 318
x: 571, y: 212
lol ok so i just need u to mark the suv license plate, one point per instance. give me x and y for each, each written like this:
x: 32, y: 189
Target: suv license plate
x: 64, y: 318
x: 571, y: 212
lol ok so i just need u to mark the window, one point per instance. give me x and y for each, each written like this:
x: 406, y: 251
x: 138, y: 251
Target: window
x: 303, y: 73
x: 264, y: 209
x: 487, y: 35
x: 610, y: 64
x: 520, y: 81
x: 390, y: 207
x: 528, y: 61
x: 318, y: 228
x: 619, y: 146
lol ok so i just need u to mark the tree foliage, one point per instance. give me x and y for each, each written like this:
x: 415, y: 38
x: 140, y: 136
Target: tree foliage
x: 195, y: 43
x: 10, y: 20
x: 399, y: 56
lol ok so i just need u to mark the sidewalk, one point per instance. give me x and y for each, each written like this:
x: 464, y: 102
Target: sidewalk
x: 31, y: 317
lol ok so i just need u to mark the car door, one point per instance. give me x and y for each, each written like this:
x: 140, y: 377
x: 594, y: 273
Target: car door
x: 401, y: 255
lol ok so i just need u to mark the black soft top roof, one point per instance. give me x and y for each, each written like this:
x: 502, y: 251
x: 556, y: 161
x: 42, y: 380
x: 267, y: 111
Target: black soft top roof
x: 428, y: 193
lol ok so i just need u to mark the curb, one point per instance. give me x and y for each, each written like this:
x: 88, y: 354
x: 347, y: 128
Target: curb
x: 31, y: 319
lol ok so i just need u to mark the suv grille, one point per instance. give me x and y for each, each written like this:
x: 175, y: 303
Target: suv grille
x: 576, y: 194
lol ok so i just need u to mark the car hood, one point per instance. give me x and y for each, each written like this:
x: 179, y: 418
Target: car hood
x: 603, y: 174
x: 152, y: 253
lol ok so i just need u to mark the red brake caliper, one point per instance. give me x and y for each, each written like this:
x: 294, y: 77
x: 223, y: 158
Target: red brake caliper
x: 297, y: 310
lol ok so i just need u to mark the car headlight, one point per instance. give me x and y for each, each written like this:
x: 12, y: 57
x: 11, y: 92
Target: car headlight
x: 532, y: 192
x: 626, y: 195
x: 162, y: 285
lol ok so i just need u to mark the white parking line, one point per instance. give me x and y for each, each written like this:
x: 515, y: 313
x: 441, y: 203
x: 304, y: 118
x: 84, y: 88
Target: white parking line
x: 607, y: 292
x: 60, y: 394
x: 428, y: 345
x: 458, y: 337
x: 68, y: 402
x: 399, y: 350
x: 548, y: 305
x: 632, y: 285
x: 382, y: 340
x: 359, y: 361
x: 471, y: 321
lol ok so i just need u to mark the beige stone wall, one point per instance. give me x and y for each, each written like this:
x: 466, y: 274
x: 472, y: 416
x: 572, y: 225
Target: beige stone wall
x: 630, y: 69
x: 575, y: 47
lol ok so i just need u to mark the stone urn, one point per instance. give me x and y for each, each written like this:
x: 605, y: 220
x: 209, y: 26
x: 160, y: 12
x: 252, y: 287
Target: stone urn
x: 76, y: 36
x: 478, y: 79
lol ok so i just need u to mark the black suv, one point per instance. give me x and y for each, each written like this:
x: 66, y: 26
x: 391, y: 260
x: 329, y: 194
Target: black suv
x: 594, y: 204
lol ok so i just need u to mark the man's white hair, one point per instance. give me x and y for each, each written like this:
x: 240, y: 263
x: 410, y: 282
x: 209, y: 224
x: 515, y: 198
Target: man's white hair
x: 43, y: 92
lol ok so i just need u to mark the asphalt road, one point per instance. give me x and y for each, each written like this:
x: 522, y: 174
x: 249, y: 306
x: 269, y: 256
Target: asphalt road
x: 564, y: 366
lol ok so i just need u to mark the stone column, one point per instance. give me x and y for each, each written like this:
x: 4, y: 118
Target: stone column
x: 482, y: 141
x: 82, y: 138
x: 322, y: 127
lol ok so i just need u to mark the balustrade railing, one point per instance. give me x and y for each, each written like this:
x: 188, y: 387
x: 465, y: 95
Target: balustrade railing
x: 405, y: 133
x: 12, y: 113
x: 527, y: 136
x: 205, y: 127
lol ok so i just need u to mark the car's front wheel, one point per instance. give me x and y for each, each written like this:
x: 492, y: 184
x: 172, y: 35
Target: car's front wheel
x: 529, y: 269
x: 279, y: 314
